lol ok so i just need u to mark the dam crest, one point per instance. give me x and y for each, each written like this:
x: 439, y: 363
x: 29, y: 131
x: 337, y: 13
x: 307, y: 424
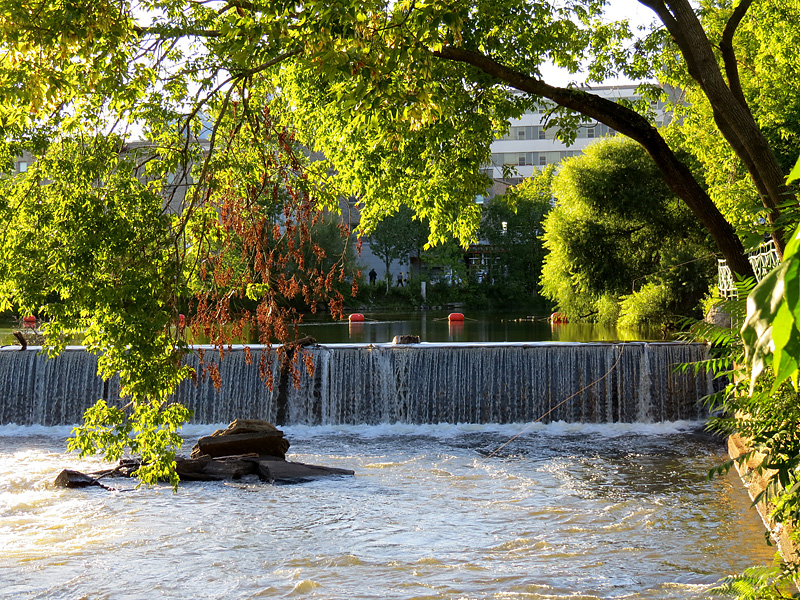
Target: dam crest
x: 385, y: 383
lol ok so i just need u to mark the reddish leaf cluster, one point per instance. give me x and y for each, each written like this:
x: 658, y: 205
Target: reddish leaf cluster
x: 260, y: 266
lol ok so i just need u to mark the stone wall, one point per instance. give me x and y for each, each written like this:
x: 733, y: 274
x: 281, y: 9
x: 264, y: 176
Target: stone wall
x: 755, y: 483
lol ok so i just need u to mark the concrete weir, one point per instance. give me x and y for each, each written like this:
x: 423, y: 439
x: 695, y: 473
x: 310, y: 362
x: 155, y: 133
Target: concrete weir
x: 386, y: 383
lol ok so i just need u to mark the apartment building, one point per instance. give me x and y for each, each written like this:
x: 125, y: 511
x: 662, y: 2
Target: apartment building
x: 530, y: 144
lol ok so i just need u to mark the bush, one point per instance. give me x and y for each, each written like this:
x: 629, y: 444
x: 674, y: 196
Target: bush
x: 607, y: 310
x: 648, y: 306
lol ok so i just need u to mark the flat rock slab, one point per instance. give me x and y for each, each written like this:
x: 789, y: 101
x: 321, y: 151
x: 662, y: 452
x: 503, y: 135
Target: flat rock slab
x: 270, y: 470
x: 284, y: 471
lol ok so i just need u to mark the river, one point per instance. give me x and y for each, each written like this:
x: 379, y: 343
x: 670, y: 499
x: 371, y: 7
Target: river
x: 478, y: 326
x: 560, y: 511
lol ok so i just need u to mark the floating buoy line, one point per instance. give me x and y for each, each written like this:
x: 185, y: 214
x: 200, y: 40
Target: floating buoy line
x: 455, y: 317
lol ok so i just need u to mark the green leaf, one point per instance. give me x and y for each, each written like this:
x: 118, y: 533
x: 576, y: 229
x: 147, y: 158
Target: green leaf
x: 794, y: 175
x: 762, y: 306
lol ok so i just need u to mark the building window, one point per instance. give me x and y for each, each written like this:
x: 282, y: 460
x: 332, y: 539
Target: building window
x: 22, y: 166
x: 542, y: 133
x: 520, y: 133
x: 590, y: 132
x: 542, y: 160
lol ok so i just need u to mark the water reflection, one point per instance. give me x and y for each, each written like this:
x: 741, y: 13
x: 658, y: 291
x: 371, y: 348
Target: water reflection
x: 433, y: 326
x: 478, y: 326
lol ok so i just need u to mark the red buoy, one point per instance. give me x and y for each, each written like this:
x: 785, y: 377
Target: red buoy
x: 558, y: 317
x: 455, y: 317
x: 29, y: 321
x: 356, y: 318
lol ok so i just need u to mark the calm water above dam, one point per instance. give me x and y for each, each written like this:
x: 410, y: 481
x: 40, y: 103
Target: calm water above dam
x: 478, y: 326
x: 562, y: 511
x: 433, y: 326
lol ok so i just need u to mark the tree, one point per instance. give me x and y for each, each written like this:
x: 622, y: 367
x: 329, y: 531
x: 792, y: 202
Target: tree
x: 397, y: 237
x: 765, y: 42
x: 408, y: 85
x: 92, y: 245
x: 605, y: 241
x: 513, y: 226
x: 410, y: 54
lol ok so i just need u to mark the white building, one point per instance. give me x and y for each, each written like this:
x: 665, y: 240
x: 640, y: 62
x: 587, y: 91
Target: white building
x: 529, y: 145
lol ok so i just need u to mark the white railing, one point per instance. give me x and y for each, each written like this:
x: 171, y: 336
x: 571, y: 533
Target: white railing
x: 763, y: 260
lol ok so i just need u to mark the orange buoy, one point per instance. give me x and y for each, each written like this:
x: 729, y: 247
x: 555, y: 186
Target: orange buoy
x: 356, y: 318
x: 455, y: 317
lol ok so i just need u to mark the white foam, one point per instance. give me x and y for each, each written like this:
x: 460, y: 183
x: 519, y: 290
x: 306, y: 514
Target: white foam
x: 445, y: 430
x: 13, y: 430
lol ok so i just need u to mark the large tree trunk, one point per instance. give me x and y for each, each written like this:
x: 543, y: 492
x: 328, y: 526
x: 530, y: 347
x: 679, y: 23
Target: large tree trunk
x: 731, y: 113
x: 628, y: 122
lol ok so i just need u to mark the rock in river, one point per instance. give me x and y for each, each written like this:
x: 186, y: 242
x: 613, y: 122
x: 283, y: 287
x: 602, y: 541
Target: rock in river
x: 246, y: 447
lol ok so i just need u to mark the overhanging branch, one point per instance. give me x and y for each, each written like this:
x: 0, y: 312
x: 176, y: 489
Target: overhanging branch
x: 676, y: 175
x: 728, y: 54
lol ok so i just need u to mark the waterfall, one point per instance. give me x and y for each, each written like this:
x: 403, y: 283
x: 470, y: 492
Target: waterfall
x: 420, y: 383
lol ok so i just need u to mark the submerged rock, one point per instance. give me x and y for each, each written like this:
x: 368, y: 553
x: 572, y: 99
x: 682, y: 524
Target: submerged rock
x: 405, y: 339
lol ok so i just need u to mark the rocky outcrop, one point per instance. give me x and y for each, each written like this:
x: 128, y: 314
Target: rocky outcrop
x: 246, y: 447
x: 243, y: 436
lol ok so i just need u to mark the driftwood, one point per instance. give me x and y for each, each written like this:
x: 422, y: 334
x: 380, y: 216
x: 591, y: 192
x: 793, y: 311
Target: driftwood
x: 21, y: 339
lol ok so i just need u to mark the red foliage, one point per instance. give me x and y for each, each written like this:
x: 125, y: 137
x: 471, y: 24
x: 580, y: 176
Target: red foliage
x: 260, y: 240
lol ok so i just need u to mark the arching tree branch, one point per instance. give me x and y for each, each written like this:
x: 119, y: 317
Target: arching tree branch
x: 628, y: 122
x: 728, y: 54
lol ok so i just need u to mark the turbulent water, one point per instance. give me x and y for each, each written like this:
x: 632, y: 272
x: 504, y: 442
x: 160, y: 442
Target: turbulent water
x: 434, y: 511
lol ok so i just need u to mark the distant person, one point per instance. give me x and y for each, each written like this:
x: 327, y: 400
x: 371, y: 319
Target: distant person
x: 373, y: 276
x: 399, y: 280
